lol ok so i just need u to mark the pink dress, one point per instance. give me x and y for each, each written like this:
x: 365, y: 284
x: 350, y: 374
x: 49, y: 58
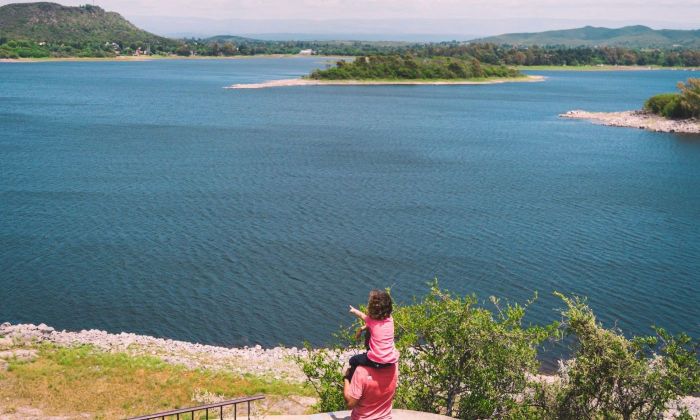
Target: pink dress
x: 381, y: 340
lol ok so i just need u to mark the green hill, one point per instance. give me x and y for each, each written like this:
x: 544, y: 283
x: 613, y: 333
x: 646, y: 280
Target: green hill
x: 628, y: 36
x: 231, y: 38
x: 53, y: 23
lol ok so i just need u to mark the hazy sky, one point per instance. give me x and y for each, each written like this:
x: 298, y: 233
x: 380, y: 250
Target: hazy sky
x: 656, y: 13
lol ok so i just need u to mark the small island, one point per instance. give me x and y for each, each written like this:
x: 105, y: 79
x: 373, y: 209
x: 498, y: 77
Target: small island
x: 667, y: 112
x: 403, y: 70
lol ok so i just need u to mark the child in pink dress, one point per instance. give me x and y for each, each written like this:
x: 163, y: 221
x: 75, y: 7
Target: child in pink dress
x: 379, y: 329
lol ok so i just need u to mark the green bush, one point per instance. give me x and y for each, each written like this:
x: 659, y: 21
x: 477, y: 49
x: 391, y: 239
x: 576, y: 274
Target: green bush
x: 685, y: 104
x: 676, y: 109
x: 610, y: 376
x: 690, y: 97
x: 465, y: 360
x: 323, y: 370
x: 657, y: 103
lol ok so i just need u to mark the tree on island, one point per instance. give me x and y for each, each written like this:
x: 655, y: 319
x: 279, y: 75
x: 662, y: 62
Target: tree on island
x: 683, y: 105
x: 409, y: 67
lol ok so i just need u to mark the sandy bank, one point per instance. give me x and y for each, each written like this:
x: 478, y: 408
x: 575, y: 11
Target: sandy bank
x: 637, y: 119
x: 312, y: 82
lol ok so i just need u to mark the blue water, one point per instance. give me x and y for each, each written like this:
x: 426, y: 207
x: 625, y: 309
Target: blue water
x: 143, y: 197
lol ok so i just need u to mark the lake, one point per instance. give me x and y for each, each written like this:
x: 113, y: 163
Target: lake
x: 144, y: 197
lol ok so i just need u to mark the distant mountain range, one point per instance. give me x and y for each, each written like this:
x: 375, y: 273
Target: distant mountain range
x: 628, y: 36
x: 57, y: 24
x: 54, y: 23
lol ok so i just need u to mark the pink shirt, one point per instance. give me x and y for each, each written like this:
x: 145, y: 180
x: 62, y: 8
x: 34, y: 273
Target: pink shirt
x: 381, y: 340
x: 374, y: 389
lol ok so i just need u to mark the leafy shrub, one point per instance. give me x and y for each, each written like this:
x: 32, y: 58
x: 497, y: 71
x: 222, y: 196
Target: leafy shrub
x: 462, y: 359
x: 323, y: 370
x: 657, y: 103
x: 611, y: 376
x: 690, y: 96
x: 676, y: 109
x: 685, y: 104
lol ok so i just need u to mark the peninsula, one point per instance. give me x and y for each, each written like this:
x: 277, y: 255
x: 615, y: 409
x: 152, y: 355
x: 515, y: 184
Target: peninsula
x: 403, y: 70
x: 667, y: 112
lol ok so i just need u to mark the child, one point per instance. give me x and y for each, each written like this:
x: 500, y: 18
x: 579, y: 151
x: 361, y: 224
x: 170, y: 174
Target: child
x: 379, y: 327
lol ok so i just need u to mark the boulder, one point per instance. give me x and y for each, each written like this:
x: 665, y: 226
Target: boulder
x: 5, y: 343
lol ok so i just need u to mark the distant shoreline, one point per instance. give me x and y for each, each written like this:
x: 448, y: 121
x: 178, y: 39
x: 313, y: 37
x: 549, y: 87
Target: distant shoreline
x: 439, y: 82
x: 637, y: 119
x: 132, y: 58
x: 605, y: 67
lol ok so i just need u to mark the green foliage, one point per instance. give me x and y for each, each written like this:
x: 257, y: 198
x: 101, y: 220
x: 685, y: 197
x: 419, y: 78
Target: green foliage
x: 690, y: 96
x: 685, y: 104
x: 465, y: 359
x: 89, y: 31
x: 55, y: 24
x: 396, y: 67
x: 323, y: 370
x: 611, y: 376
x: 657, y: 103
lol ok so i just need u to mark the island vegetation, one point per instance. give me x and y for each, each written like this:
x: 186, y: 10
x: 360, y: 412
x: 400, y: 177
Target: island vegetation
x: 667, y: 112
x: 682, y: 105
x: 408, y: 67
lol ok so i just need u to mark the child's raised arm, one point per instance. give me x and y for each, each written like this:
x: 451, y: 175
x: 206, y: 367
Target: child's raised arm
x: 358, y: 313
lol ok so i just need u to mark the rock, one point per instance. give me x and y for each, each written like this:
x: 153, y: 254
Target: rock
x: 637, y: 119
x: 5, y: 343
x: 21, y: 355
x: 3, y: 365
x: 43, y: 328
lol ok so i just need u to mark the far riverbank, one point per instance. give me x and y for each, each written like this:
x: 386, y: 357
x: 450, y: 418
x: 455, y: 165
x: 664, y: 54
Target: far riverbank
x: 133, y: 58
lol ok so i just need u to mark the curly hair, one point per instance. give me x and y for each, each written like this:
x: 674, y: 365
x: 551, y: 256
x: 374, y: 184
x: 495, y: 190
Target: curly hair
x: 380, y: 305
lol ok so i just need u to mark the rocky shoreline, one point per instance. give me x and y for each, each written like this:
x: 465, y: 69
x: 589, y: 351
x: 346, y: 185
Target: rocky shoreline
x: 274, y: 362
x: 637, y: 119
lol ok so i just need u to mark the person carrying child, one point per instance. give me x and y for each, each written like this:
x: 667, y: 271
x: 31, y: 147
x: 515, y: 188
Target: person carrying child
x: 379, y: 333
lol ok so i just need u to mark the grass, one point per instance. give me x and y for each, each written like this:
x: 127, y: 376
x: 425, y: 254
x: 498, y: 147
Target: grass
x: 75, y: 380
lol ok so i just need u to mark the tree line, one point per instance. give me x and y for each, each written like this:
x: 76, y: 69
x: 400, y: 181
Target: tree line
x: 484, y: 52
